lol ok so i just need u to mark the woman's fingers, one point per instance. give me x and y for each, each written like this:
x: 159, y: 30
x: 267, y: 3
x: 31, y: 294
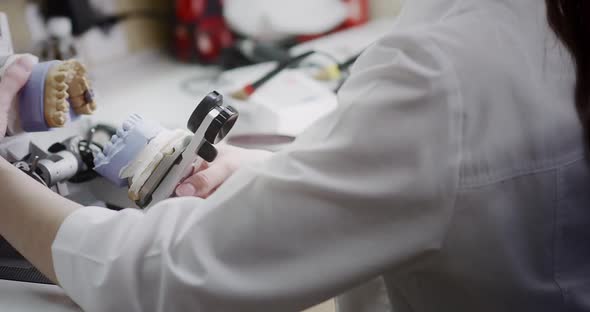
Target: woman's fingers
x: 207, y: 177
x: 14, y: 79
x: 203, y: 182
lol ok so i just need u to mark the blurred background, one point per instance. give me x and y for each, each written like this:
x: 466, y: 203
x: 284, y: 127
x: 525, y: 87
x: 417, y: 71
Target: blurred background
x: 153, y: 30
x: 143, y: 53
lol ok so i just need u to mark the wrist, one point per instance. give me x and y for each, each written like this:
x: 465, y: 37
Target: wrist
x: 8, y: 172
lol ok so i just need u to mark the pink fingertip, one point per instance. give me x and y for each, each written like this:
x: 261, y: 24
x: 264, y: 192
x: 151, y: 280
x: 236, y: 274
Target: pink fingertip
x: 25, y: 63
x: 186, y: 189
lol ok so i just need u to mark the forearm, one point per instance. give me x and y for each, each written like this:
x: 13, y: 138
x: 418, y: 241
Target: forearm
x: 30, y: 216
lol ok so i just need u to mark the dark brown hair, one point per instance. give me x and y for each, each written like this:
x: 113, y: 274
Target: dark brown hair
x: 570, y: 19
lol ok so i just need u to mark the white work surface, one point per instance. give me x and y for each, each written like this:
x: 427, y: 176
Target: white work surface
x: 153, y: 86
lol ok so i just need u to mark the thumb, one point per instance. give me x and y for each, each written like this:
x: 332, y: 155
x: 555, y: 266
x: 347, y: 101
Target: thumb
x: 15, y: 78
x: 204, y: 182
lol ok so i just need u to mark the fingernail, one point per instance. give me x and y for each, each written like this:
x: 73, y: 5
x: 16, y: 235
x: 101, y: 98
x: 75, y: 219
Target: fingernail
x: 186, y: 189
x: 200, y: 193
x: 25, y: 63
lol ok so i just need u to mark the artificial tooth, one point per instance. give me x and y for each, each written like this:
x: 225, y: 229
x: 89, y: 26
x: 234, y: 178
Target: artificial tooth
x: 60, y: 87
x: 62, y: 106
x: 81, y: 69
x: 60, y: 77
x: 59, y: 119
x: 107, y: 149
x: 84, y: 110
x: 99, y: 158
x: 76, y: 103
x: 129, y: 124
x: 60, y: 95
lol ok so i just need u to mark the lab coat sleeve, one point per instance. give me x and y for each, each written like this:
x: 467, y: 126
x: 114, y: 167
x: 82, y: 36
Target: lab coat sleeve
x: 367, y: 190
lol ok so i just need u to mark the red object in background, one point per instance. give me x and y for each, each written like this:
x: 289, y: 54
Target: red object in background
x: 201, y: 33
x: 358, y: 14
x: 189, y: 11
x: 211, y: 37
x: 183, y: 44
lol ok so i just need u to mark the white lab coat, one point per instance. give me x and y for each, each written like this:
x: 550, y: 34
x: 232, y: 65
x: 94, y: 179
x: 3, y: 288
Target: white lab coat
x: 453, y: 169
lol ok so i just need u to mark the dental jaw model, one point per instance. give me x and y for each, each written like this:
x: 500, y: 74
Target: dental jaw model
x: 77, y: 88
x: 152, y: 160
x: 56, y: 92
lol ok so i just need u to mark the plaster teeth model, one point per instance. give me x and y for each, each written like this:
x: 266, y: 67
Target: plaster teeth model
x: 81, y: 95
x: 55, y: 106
x: 56, y: 93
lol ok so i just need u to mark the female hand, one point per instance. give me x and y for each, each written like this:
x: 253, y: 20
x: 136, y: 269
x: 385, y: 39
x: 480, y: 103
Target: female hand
x: 207, y: 177
x: 13, y: 80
